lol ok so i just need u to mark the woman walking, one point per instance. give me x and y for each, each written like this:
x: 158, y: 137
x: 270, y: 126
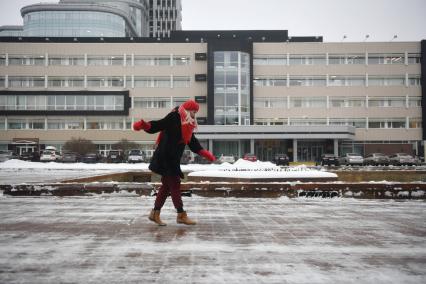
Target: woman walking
x: 176, y: 131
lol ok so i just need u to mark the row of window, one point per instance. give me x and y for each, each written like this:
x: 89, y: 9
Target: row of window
x: 158, y: 102
x: 94, y: 60
x: 95, y: 82
x: 337, y: 80
x: 368, y: 122
x: 339, y: 102
x: 125, y: 123
x: 179, y: 60
x: 333, y: 59
x: 62, y: 102
x: 66, y: 124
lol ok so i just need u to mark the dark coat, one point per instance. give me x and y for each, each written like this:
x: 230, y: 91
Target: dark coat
x: 166, y: 158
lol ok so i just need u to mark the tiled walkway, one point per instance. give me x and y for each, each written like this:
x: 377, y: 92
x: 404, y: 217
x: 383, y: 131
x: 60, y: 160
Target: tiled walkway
x: 108, y: 239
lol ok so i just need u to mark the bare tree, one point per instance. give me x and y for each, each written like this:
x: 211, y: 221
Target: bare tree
x: 79, y: 145
x: 124, y: 145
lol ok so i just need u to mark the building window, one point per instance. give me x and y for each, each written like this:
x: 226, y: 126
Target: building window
x: 356, y: 122
x: 66, y: 60
x: 108, y: 60
x: 105, y: 124
x: 414, y: 101
x: 65, y: 82
x: 144, y: 60
x: 26, y: 82
x: 275, y: 81
x: 305, y: 59
x: 36, y: 124
x: 342, y: 102
x: 386, y: 81
x: 278, y: 102
x: 386, y: 123
x: 392, y: 58
x: 181, y: 82
x: 38, y: 60
x: 13, y: 123
x: 308, y: 102
x: 2, y: 82
x: 414, y: 58
x: 65, y: 124
x: 105, y: 82
x: 387, y: 102
x: 270, y: 59
x: 2, y: 59
x: 414, y: 80
x: 346, y: 59
x: 338, y: 80
x: 181, y: 60
x: 148, y: 103
x: 152, y: 82
x: 308, y: 81
x: 415, y: 122
x: 308, y: 121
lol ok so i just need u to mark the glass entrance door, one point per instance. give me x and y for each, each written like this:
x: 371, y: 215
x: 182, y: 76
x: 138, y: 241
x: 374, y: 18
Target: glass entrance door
x: 309, y: 151
x: 25, y: 148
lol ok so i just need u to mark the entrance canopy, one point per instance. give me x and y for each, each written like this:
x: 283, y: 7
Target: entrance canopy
x: 275, y: 132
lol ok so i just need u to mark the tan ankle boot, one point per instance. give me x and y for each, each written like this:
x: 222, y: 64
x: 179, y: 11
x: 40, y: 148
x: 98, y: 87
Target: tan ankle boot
x: 154, y: 216
x: 182, y: 218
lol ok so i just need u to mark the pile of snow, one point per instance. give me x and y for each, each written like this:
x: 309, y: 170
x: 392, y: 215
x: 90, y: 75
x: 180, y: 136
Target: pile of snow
x: 261, y: 170
x: 19, y: 164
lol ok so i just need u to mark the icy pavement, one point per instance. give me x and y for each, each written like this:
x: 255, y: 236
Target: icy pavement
x: 16, y: 176
x: 108, y: 239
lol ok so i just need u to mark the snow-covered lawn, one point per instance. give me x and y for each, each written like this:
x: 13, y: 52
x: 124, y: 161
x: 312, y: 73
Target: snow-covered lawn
x: 108, y: 239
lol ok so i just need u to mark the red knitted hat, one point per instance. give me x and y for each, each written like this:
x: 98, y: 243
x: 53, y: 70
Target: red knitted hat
x: 190, y: 105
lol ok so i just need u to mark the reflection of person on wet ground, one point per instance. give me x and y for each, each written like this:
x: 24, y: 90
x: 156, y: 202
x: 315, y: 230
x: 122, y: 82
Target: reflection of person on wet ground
x: 176, y: 131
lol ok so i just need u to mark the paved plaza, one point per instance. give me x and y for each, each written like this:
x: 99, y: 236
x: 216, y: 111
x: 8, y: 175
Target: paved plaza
x: 108, y: 239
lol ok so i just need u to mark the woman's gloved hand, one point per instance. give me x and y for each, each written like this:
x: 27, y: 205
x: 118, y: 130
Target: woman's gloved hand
x: 141, y: 124
x: 207, y: 155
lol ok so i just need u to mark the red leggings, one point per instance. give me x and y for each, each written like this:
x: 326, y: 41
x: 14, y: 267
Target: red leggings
x: 170, y: 184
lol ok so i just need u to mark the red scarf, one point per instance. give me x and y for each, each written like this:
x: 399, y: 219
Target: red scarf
x: 188, y: 124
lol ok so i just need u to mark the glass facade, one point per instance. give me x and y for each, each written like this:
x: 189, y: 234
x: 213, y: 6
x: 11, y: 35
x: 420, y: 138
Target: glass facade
x: 74, y: 24
x: 231, y: 88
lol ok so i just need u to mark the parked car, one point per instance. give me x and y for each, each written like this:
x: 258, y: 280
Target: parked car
x: 376, y: 159
x: 250, y: 157
x: 8, y: 155
x: 91, y: 158
x: 135, y: 156
x: 200, y: 160
x: 281, y: 160
x: 226, y: 159
x: 329, y: 159
x: 71, y: 157
x: 351, y: 159
x: 187, y: 157
x: 399, y: 159
x: 115, y: 156
x: 30, y: 156
x: 50, y: 156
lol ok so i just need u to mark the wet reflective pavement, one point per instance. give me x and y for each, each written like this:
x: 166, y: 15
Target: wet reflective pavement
x: 108, y: 239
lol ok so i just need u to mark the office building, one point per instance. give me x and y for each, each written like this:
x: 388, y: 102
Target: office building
x: 259, y: 91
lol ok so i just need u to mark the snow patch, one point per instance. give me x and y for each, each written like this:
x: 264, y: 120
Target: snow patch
x: 258, y: 170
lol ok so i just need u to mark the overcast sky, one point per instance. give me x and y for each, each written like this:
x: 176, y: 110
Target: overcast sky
x: 381, y: 19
